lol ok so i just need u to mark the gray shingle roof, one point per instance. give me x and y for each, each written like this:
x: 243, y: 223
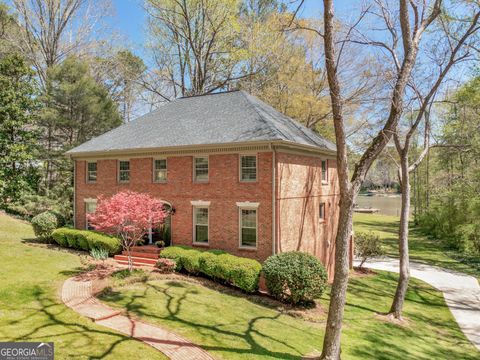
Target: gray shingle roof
x: 201, y: 120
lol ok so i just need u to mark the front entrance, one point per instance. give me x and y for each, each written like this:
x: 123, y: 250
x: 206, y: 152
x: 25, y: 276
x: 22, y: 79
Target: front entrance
x: 163, y: 232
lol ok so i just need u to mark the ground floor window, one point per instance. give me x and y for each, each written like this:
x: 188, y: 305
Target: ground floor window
x: 90, y: 207
x: 248, y: 227
x: 200, y: 223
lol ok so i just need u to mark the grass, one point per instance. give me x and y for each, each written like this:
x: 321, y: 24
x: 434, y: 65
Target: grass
x: 30, y: 305
x: 231, y: 326
x: 422, y: 248
x: 226, y: 324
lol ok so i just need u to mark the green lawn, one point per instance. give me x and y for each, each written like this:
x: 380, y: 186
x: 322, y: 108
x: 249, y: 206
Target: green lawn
x: 235, y: 327
x: 227, y: 325
x: 30, y: 305
x: 422, y: 249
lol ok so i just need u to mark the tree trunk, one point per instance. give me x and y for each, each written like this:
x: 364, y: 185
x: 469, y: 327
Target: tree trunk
x: 404, y: 277
x: 129, y: 256
x: 331, y: 344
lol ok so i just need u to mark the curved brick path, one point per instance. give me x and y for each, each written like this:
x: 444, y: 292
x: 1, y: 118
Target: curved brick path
x: 77, y: 294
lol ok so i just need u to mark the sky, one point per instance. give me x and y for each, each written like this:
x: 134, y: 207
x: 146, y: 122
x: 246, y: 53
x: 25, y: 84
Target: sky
x: 129, y: 18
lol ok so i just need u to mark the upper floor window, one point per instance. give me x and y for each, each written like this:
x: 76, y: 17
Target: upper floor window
x: 321, y: 213
x: 324, y: 170
x: 124, y: 171
x: 91, y: 172
x: 200, y: 221
x: 160, y: 170
x: 248, y: 168
x: 201, y: 169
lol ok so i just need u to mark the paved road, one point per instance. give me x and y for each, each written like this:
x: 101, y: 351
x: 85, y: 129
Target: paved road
x: 461, y: 292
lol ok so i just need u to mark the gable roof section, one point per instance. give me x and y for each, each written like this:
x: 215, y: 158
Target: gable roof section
x: 221, y: 118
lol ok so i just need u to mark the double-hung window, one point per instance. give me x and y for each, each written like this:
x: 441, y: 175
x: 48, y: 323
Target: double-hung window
x: 90, y: 207
x: 248, y: 168
x: 200, y: 169
x: 160, y: 170
x: 324, y: 171
x: 248, y: 221
x: 91, y: 172
x: 200, y: 223
x: 123, y: 171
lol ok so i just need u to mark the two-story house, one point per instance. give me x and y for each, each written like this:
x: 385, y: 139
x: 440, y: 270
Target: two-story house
x: 238, y: 175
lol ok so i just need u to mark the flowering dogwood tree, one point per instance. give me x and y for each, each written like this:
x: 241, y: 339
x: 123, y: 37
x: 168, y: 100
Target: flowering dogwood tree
x: 129, y: 216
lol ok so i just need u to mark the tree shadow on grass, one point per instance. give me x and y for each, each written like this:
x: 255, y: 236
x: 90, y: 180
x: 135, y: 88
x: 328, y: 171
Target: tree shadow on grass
x: 54, y: 316
x: 176, y: 302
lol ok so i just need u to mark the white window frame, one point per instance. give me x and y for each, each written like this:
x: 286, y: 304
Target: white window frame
x: 247, y: 206
x: 240, y: 168
x: 119, y: 170
x: 325, y: 181
x: 200, y: 205
x: 88, y: 201
x: 166, y: 170
x: 87, y: 172
x: 195, y: 169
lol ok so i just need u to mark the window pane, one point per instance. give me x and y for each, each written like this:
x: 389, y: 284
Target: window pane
x: 249, y: 161
x: 124, y: 175
x: 201, y: 233
x: 92, y: 166
x: 161, y: 164
x: 201, y: 216
x: 322, y: 211
x: 249, y: 174
x: 249, y: 218
x: 92, y: 176
x: 90, y: 207
x: 160, y: 175
x: 124, y: 165
x: 249, y: 237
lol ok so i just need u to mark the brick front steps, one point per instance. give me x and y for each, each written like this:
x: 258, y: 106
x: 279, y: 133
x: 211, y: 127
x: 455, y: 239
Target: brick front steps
x: 142, y: 256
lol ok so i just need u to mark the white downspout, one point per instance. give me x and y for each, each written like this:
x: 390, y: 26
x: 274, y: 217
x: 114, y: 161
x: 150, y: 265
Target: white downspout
x: 274, y: 226
x: 74, y: 193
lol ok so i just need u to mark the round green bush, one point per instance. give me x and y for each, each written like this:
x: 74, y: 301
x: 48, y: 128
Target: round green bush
x: 45, y: 222
x: 295, y: 277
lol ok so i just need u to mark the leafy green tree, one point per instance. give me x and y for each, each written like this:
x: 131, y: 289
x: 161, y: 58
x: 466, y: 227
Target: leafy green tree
x: 77, y: 108
x: 17, y: 138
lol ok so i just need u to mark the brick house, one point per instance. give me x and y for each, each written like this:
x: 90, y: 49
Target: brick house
x: 237, y: 174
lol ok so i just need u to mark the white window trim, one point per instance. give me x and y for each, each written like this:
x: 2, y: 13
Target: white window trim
x: 204, y: 205
x: 129, y: 171
x: 88, y: 201
x: 195, y: 172
x: 240, y: 168
x: 324, y: 182
x: 87, y: 172
x: 153, y: 170
x: 247, y: 206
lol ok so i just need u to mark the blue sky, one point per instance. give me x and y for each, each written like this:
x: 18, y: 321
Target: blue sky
x: 130, y: 18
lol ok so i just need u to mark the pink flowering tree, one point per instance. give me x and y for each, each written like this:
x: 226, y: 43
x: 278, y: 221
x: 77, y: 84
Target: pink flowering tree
x: 129, y: 216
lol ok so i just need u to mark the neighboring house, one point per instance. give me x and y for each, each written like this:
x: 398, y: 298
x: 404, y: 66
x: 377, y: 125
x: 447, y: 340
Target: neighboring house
x: 238, y: 175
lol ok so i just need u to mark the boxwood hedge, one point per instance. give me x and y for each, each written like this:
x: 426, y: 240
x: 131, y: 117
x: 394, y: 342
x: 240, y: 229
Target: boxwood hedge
x: 86, y: 240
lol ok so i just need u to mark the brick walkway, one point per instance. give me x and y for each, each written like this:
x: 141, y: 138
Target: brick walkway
x: 77, y: 294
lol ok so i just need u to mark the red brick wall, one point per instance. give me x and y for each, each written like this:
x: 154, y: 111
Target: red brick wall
x: 223, y: 191
x: 299, y: 193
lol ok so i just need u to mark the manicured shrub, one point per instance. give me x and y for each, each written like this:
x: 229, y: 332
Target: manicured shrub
x: 166, y: 265
x: 295, y: 277
x: 240, y: 272
x: 86, y: 240
x: 367, y: 246
x: 45, y: 222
